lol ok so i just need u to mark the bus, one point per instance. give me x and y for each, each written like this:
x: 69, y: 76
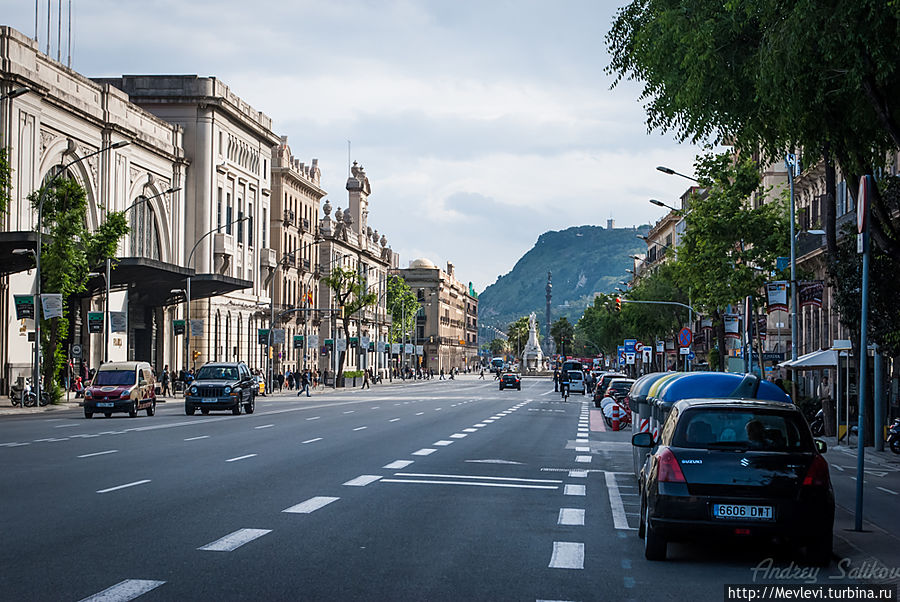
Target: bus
x: 498, y: 363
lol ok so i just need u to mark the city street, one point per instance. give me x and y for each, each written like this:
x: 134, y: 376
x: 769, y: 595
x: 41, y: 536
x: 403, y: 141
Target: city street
x: 438, y: 490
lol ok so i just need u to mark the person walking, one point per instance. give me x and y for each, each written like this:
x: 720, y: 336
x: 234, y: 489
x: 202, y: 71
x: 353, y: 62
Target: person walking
x: 164, y: 381
x: 304, y: 384
x: 365, y: 384
x: 442, y: 374
x: 556, y: 380
x: 481, y: 377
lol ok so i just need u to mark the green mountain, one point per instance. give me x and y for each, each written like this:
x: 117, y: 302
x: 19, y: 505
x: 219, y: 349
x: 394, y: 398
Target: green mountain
x: 584, y: 260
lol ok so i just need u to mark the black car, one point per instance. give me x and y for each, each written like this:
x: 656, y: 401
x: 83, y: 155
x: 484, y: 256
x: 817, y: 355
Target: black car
x: 738, y: 468
x: 603, y: 384
x: 221, y: 386
x: 510, y: 380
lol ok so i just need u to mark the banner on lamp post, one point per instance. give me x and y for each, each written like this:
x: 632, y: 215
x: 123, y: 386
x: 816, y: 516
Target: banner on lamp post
x: 51, y: 305
x: 178, y: 327
x: 24, y: 307
x: 118, y: 321
x: 95, y: 322
x: 197, y: 327
x: 776, y: 293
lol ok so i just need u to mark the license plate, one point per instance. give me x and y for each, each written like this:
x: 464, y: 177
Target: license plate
x: 209, y: 400
x: 742, y: 512
x: 105, y: 404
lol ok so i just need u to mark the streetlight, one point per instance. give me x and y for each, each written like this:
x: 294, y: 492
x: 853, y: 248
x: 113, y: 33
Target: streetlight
x: 660, y: 204
x: 37, y: 256
x: 672, y: 172
x: 187, y: 290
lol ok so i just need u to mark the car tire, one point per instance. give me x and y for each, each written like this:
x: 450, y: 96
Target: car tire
x: 236, y: 410
x: 133, y: 412
x: 654, y: 544
x: 819, y: 549
x: 152, y: 409
x: 895, y: 446
x: 88, y: 414
x: 189, y: 409
x: 250, y: 407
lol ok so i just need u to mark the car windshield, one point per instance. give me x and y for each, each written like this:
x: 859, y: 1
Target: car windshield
x: 113, y: 378
x: 217, y: 373
x: 724, y: 428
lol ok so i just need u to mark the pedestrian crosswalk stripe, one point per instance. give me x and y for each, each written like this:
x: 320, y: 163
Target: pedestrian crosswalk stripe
x: 311, y: 505
x: 233, y: 541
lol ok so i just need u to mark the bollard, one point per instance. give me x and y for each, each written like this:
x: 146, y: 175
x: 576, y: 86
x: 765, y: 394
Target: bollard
x: 615, y: 416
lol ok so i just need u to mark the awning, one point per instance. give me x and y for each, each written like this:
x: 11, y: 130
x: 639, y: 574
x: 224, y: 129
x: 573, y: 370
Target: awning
x: 824, y: 358
x: 212, y: 285
x: 10, y: 241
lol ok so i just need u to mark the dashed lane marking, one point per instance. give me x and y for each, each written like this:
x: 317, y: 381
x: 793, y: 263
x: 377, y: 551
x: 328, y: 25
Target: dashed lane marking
x: 583, y: 459
x: 393, y: 420
x: 360, y: 428
x: 103, y: 453
x: 458, y: 435
x: 886, y: 490
x: 312, y: 440
x: 574, y: 490
x: 264, y: 426
x: 197, y: 438
x: 582, y: 449
x: 567, y: 555
x: 233, y: 541
x: 125, y: 486
x: 398, y: 464
x: 571, y: 517
x: 475, y: 477
x: 470, y: 483
x: 363, y: 480
x: 470, y: 430
x: 124, y: 590
x: 313, y: 417
x: 425, y: 451
x: 311, y: 505
x: 443, y: 443
x: 241, y: 458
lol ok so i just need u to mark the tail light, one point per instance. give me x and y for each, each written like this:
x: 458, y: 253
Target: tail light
x: 668, y: 468
x: 817, y: 475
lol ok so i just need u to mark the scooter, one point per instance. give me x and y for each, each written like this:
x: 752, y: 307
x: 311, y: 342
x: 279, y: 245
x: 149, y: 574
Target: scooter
x: 894, y: 436
x: 818, y: 424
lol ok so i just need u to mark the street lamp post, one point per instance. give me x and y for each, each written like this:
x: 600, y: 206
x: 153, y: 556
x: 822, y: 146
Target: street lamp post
x: 187, y: 290
x: 672, y: 172
x: 36, y: 377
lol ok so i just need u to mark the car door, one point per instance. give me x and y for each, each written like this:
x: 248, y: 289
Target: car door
x: 245, y: 383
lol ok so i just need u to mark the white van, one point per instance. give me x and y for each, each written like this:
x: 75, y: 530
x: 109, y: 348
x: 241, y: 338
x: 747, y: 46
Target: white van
x: 576, y: 381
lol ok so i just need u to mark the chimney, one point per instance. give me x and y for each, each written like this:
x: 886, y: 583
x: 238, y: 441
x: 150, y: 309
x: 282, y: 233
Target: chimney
x: 610, y: 224
x: 450, y: 269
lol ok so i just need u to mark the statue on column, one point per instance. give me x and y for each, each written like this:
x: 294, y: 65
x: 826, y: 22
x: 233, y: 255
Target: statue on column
x: 532, y: 356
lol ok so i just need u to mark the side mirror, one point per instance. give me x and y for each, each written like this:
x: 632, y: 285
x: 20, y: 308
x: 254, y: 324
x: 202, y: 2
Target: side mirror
x: 142, y: 383
x: 642, y: 439
x: 821, y: 446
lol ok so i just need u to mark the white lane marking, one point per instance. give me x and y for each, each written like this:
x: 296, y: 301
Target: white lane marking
x: 494, y: 461
x: 393, y: 420
x: 477, y: 477
x: 571, y: 516
x: 424, y: 451
x: 233, y: 541
x: 582, y: 441
x: 479, y: 425
x: 398, y: 464
x: 360, y: 428
x: 126, y: 485
x: 583, y: 459
x: 443, y: 443
x: 124, y: 590
x: 495, y: 418
x: 374, y: 407
x: 65, y: 426
x: 419, y: 413
x: 241, y: 458
x: 311, y: 505
x: 197, y: 438
x: 458, y: 435
x: 578, y: 474
x: 312, y: 440
x: 574, y: 490
x: 349, y: 411
x: 313, y: 417
x: 615, y: 503
x: 567, y: 555
x: 363, y: 480
x: 549, y: 392
x: 470, y: 430
x: 264, y: 426
x: 840, y: 468
x: 103, y: 453
x: 473, y: 483
x: 582, y: 449
x: 887, y: 490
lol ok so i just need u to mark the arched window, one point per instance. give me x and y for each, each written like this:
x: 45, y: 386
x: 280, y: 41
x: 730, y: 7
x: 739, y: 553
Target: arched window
x: 144, y: 233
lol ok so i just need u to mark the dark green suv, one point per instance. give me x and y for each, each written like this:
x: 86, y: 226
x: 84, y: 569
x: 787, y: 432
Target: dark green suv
x: 221, y: 386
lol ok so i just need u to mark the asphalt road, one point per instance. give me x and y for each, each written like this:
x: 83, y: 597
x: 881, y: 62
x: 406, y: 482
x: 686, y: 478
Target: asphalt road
x: 444, y: 490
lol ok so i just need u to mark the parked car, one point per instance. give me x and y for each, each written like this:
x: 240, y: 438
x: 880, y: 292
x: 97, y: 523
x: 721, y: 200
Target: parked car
x: 222, y: 386
x: 121, y: 387
x: 261, y: 385
x: 735, y: 468
x: 576, y: 382
x: 618, y: 389
x: 603, y: 384
x: 510, y: 380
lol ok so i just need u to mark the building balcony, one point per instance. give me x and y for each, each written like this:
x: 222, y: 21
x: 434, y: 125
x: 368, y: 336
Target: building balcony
x: 289, y: 217
x: 223, y: 245
x: 267, y: 260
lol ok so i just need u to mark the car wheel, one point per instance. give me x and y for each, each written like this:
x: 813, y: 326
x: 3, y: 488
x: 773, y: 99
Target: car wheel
x: 236, y: 410
x: 654, y: 545
x: 250, y: 407
x: 152, y: 409
x: 819, y: 548
x: 204, y: 411
x: 189, y: 409
x: 895, y: 446
x: 134, y: 410
x: 88, y: 414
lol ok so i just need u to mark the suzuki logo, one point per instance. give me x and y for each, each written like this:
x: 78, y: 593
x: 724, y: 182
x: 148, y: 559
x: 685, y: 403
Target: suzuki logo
x: 745, y: 462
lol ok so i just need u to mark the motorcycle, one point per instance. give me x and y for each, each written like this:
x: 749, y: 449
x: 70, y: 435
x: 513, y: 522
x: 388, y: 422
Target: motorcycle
x: 894, y: 436
x: 818, y: 424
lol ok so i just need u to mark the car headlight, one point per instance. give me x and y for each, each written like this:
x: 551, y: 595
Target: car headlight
x: 88, y: 393
x: 125, y: 394
x: 227, y: 389
x: 193, y: 390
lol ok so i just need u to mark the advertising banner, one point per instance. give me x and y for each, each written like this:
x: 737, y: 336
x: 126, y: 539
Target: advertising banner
x: 810, y: 292
x: 24, y: 307
x: 118, y: 321
x: 420, y: 349
x: 298, y: 341
x: 313, y: 341
x: 197, y: 328
x: 732, y: 326
x: 95, y: 322
x: 409, y: 349
x: 178, y: 327
x: 762, y: 325
x: 51, y: 305
x: 262, y: 335
x: 706, y: 324
x: 354, y: 341
x: 364, y: 342
x: 777, y: 296
x: 278, y: 336
x: 340, y: 345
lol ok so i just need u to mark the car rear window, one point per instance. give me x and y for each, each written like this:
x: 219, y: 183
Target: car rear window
x: 743, y: 429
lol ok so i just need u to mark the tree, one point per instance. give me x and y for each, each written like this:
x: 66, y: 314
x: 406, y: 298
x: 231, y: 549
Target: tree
x: 402, y: 305
x: 65, y: 266
x: 350, y: 295
x: 498, y: 347
x: 729, y: 248
x: 518, y: 335
x: 563, y: 333
x: 650, y: 322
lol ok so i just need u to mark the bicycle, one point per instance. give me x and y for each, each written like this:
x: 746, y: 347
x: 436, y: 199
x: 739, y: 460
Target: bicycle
x: 565, y: 392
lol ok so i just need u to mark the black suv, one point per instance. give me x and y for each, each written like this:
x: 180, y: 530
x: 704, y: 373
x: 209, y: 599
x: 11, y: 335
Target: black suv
x: 221, y: 386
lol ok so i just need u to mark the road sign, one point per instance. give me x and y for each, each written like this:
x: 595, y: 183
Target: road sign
x: 76, y: 350
x: 638, y: 347
x: 691, y: 356
x: 684, y: 350
x: 685, y: 337
x: 647, y: 356
x: 629, y: 345
x: 660, y: 346
x: 862, y: 203
x: 629, y: 358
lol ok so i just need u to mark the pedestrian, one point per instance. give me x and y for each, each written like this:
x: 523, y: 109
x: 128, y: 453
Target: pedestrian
x: 481, y: 377
x: 164, y: 381
x: 556, y: 380
x: 442, y: 374
x: 304, y: 383
x: 365, y: 384
x: 315, y: 377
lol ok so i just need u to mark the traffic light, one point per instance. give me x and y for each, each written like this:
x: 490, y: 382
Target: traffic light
x: 196, y: 354
x: 618, y: 304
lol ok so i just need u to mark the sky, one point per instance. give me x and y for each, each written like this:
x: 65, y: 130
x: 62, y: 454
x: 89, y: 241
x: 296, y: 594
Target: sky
x: 481, y: 124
